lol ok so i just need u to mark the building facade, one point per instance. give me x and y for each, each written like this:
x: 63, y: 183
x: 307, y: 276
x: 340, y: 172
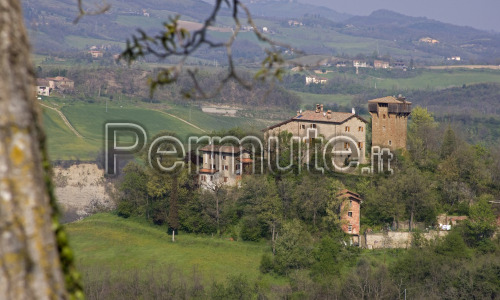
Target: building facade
x: 327, y: 124
x: 222, y: 165
x: 350, y: 214
x: 389, y: 121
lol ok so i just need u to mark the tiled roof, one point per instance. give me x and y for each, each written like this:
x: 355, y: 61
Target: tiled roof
x: 336, y: 117
x: 389, y: 99
x: 348, y: 194
x: 209, y: 171
x: 42, y: 82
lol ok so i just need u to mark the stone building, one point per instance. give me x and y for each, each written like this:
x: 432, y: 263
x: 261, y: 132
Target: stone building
x: 389, y: 121
x: 327, y: 124
x: 350, y: 214
x: 222, y: 165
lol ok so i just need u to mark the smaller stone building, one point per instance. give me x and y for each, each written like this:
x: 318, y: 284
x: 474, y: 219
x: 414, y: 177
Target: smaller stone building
x: 222, y: 165
x: 350, y: 214
x: 42, y: 87
x: 61, y: 83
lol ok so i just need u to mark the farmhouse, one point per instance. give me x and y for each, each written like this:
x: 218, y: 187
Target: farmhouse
x: 350, y: 212
x: 327, y: 124
x: 359, y: 63
x: 380, y: 64
x: 222, y: 165
x: 61, y: 83
x: 42, y: 87
x: 96, y: 53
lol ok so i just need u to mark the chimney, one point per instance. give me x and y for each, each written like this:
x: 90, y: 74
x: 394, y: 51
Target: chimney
x: 321, y: 107
x: 317, y: 108
x: 353, y: 111
x: 329, y: 114
x: 298, y: 113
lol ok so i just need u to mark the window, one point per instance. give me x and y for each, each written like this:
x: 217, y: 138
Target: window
x: 203, y: 178
x: 226, y: 167
x: 303, y: 126
x: 211, y: 178
x: 383, y: 116
x: 360, y: 129
x: 347, y: 129
x: 360, y: 145
x: 223, y: 157
x: 390, y: 143
x: 349, y: 228
x: 313, y: 125
x: 350, y: 203
x: 213, y: 166
x: 346, y: 145
x: 349, y: 214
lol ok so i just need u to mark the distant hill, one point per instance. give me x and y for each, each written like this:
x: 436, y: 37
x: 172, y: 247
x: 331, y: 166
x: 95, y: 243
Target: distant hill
x: 288, y: 9
x: 468, y: 42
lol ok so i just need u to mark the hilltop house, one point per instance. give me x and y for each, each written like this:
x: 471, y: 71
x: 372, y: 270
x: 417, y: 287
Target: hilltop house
x: 222, y: 165
x: 327, y: 124
x: 380, y: 64
x: 350, y: 213
x: 61, y: 83
x: 359, y: 63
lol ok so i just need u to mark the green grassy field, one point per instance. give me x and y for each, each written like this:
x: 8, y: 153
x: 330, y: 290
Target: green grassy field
x: 89, y: 120
x: 106, y: 240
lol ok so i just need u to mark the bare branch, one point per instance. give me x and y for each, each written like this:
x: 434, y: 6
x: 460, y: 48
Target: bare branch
x: 82, y: 12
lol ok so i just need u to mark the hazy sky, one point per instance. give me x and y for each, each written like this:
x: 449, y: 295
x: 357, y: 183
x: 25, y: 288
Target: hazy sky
x: 482, y: 14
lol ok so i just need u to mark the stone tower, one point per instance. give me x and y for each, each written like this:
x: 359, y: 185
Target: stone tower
x: 389, y: 121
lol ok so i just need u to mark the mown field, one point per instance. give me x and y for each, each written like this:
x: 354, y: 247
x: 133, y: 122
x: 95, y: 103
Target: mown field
x: 106, y: 241
x: 89, y: 120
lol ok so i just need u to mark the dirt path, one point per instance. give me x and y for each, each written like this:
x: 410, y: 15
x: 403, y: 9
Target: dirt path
x: 63, y: 117
x: 180, y: 119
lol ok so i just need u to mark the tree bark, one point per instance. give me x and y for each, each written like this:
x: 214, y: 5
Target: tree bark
x: 30, y: 266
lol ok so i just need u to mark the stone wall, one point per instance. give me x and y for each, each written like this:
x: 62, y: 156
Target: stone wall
x: 395, y: 239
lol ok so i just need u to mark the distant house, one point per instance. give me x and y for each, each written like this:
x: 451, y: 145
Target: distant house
x: 265, y: 29
x: 456, y: 58
x: 359, y: 63
x: 222, y: 165
x: 428, y: 40
x: 61, y: 83
x: 294, y: 23
x: 350, y: 214
x: 42, y: 87
x: 316, y: 80
x: 380, y: 64
x: 96, y: 53
x: 341, y: 64
x: 399, y: 64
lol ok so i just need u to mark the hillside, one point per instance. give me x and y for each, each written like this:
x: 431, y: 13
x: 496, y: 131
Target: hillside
x: 470, y: 43
x: 322, y: 30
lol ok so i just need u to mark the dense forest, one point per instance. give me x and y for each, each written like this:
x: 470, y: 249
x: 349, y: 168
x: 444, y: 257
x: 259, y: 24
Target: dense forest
x: 439, y: 173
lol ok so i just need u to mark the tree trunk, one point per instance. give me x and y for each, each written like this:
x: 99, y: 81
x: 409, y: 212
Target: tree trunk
x: 30, y: 265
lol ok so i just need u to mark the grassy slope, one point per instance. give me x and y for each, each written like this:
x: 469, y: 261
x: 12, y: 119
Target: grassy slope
x: 125, y: 245
x: 89, y: 120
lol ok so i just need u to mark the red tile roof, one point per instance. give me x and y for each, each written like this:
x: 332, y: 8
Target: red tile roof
x: 345, y: 193
x: 210, y: 171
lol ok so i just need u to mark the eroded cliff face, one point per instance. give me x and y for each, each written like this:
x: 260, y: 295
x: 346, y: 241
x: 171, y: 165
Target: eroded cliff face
x: 82, y: 190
